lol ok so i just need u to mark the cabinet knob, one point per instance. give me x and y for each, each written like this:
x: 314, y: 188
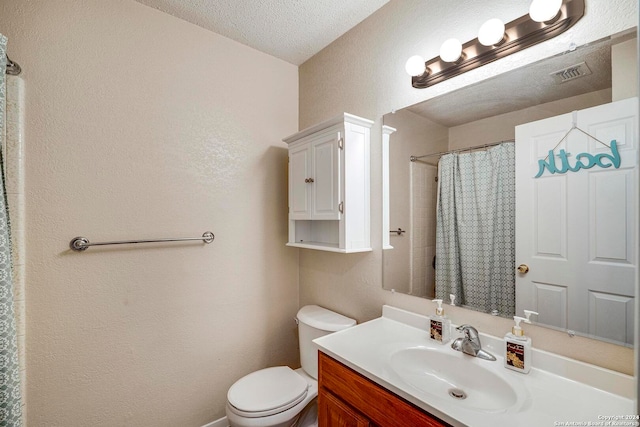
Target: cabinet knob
x: 308, y: 180
x: 523, y: 268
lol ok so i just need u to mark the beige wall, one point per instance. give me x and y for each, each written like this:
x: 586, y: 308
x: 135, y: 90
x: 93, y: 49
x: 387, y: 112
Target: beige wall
x: 363, y: 73
x: 142, y: 125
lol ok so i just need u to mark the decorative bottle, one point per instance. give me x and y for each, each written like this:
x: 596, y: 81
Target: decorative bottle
x: 439, y: 325
x: 518, y: 346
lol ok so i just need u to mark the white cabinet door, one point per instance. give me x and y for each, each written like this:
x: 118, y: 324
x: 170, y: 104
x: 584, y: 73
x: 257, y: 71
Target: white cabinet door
x: 325, y: 188
x: 577, y: 230
x: 299, y: 186
x: 314, y: 179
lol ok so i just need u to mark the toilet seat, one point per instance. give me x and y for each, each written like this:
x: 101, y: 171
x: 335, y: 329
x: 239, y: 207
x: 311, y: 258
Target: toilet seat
x: 267, y: 392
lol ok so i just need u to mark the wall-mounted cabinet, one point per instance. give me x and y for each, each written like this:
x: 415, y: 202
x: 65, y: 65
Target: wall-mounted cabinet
x: 329, y: 186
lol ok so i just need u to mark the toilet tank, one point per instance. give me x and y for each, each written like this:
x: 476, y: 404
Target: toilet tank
x: 315, y: 322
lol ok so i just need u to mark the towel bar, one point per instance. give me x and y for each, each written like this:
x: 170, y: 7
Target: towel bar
x: 82, y: 243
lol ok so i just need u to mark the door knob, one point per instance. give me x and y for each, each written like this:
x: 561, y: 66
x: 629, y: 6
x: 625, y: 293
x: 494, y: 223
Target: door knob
x: 523, y: 268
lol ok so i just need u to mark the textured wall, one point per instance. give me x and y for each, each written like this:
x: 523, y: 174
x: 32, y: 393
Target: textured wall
x: 363, y: 73
x: 142, y: 125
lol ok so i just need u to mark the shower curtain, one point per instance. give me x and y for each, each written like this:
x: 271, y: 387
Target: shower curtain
x: 475, y: 229
x: 10, y: 397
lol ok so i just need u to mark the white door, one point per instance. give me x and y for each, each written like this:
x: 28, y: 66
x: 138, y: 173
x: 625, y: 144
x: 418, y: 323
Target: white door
x: 576, y: 230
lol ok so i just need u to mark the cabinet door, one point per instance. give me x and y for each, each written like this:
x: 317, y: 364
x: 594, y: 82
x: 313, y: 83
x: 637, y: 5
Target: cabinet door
x: 325, y: 188
x: 299, y: 185
x: 332, y: 412
x: 379, y: 406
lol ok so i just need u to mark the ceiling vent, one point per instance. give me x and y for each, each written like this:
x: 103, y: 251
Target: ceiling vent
x: 571, y: 73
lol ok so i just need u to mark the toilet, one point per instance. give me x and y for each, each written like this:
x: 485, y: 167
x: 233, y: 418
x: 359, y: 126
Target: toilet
x: 279, y: 396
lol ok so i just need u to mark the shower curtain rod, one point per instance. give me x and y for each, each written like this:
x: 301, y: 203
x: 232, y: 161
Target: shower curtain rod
x: 13, y: 69
x: 477, y: 147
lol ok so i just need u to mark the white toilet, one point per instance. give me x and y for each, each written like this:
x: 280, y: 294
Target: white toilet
x: 276, y: 397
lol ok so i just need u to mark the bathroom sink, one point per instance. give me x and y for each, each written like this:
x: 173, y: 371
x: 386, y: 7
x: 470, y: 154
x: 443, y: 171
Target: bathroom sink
x: 453, y: 376
x: 395, y: 352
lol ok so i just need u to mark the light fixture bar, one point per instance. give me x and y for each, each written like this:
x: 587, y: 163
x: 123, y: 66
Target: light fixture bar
x: 519, y: 34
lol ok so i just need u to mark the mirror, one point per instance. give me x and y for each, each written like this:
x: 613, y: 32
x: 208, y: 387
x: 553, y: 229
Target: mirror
x: 485, y: 113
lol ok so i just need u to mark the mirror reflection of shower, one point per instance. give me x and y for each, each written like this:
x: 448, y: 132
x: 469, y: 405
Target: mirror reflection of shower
x: 423, y: 201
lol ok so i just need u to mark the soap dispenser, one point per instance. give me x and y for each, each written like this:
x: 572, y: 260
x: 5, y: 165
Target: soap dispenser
x: 439, y: 325
x: 518, y: 346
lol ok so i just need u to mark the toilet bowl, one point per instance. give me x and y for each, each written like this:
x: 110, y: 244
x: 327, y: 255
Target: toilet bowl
x: 277, y: 396
x: 251, y: 403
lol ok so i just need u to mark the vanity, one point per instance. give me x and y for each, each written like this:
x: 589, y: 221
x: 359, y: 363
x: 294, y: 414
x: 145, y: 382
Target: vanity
x: 387, y: 372
x: 347, y: 398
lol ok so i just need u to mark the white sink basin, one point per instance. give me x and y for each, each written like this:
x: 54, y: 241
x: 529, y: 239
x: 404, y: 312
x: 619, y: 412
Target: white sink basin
x: 460, y: 378
x: 395, y: 352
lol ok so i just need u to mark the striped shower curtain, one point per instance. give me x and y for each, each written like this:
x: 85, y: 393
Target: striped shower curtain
x: 475, y: 229
x: 10, y: 398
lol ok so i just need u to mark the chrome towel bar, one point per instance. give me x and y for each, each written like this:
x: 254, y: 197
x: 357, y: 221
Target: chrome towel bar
x: 82, y: 243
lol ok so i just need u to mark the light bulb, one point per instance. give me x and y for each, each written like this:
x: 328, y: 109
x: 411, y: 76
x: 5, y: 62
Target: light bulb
x: 491, y: 32
x: 451, y: 50
x: 544, y: 10
x: 415, y: 65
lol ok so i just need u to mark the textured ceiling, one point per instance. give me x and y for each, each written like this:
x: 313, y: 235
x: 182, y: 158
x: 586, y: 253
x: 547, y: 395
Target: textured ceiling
x: 521, y: 88
x: 292, y: 30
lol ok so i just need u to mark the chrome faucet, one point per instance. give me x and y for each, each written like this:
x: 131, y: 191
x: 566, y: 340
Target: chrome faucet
x: 470, y: 343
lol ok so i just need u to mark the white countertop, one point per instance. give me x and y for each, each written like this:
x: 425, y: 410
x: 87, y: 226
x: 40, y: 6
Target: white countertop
x: 545, y: 398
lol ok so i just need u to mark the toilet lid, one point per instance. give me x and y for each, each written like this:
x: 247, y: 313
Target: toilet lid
x: 267, y: 391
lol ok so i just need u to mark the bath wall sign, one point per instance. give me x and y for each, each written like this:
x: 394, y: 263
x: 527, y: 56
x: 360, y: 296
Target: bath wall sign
x: 582, y: 161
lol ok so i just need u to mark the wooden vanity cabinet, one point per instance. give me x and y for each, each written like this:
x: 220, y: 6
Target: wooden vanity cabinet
x: 348, y: 399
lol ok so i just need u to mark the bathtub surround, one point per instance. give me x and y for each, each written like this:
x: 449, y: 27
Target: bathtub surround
x: 423, y: 200
x: 10, y: 392
x: 141, y: 125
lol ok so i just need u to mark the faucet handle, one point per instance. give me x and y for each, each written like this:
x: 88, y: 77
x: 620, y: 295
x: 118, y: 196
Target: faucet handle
x: 470, y: 344
x: 469, y: 331
x: 465, y: 328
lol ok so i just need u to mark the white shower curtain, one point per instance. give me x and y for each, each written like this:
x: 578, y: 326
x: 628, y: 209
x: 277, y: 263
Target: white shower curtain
x: 10, y: 396
x: 475, y: 229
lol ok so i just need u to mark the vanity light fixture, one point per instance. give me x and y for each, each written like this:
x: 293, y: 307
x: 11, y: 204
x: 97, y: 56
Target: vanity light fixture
x: 545, y: 10
x: 451, y: 50
x: 546, y: 19
x: 415, y: 65
x: 491, y: 33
